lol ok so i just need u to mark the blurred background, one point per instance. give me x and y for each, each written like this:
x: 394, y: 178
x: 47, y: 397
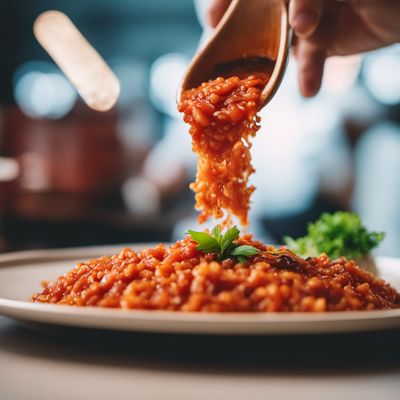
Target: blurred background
x: 71, y: 177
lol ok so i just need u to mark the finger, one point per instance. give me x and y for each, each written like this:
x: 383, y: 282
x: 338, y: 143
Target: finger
x: 305, y: 16
x: 311, y: 60
x: 216, y: 11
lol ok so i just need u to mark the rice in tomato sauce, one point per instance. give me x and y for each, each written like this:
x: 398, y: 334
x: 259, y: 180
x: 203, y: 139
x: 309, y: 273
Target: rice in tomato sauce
x: 180, y: 278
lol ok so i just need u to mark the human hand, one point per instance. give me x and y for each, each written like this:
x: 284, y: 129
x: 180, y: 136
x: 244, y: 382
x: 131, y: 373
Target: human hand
x: 325, y: 28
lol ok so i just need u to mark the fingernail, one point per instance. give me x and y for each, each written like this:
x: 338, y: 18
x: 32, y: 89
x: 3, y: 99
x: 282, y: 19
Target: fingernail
x: 304, y: 23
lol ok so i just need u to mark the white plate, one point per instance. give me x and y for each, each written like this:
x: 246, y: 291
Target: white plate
x: 21, y: 274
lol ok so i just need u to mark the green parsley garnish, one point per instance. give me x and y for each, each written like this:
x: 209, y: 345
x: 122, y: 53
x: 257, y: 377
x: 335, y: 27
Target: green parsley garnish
x: 338, y: 234
x: 223, y: 244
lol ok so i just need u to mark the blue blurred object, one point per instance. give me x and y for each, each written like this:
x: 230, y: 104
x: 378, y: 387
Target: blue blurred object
x: 42, y: 91
x: 381, y: 74
x: 377, y: 188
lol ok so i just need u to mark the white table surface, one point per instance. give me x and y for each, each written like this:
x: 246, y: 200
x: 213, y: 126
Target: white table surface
x: 89, y: 365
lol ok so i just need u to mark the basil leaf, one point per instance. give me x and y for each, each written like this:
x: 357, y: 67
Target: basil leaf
x: 217, y: 234
x: 206, y: 242
x: 245, y: 250
x: 230, y: 235
x: 242, y: 259
x: 223, y: 244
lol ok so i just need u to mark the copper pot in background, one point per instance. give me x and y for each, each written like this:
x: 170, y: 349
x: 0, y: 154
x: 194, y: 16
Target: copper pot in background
x: 68, y: 166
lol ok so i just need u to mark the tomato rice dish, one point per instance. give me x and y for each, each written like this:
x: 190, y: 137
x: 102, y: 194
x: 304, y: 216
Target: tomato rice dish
x: 181, y: 278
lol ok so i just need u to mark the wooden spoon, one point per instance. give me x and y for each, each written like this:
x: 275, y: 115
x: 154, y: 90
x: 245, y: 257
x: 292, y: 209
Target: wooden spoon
x: 250, y: 30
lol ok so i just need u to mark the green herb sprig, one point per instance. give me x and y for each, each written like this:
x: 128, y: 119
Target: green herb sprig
x: 223, y: 244
x: 338, y: 234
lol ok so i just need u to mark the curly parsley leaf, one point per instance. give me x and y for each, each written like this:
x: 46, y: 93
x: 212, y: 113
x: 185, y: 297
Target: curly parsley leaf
x: 223, y: 244
x: 338, y: 234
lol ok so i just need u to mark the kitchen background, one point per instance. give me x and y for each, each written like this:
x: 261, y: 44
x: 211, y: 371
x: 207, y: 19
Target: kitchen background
x: 70, y: 176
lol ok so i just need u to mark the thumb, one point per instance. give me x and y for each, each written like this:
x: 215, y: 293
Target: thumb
x: 305, y: 16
